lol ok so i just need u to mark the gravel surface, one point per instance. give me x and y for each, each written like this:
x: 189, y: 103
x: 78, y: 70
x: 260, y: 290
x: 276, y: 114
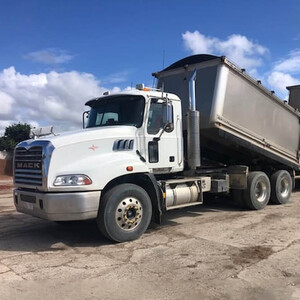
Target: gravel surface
x: 213, y: 251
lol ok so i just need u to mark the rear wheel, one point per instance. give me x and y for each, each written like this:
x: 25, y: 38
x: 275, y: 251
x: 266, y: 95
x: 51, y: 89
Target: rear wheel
x: 257, y: 194
x: 124, y: 213
x: 281, y: 187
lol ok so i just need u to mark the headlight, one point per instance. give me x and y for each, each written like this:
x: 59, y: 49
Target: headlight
x: 72, y: 180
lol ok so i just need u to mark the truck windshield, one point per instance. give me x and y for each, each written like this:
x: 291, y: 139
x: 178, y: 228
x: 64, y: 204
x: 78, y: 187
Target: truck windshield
x: 117, y: 110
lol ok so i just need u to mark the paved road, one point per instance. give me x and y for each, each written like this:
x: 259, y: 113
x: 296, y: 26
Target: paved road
x: 213, y: 251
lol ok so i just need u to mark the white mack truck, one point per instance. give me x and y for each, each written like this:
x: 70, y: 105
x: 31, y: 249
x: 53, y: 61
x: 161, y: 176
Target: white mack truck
x: 147, y: 151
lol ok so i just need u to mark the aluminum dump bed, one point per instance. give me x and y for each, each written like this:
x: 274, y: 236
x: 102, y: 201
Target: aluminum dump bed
x: 242, y: 122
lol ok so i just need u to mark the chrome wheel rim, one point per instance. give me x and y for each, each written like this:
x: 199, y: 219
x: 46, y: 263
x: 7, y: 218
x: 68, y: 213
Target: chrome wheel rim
x: 261, y: 191
x: 129, y: 213
x: 284, y: 187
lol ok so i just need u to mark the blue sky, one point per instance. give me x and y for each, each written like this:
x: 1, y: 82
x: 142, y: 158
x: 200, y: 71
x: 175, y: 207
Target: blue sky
x: 56, y: 54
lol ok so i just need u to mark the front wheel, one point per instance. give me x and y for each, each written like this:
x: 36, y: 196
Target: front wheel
x: 257, y: 194
x: 124, y: 213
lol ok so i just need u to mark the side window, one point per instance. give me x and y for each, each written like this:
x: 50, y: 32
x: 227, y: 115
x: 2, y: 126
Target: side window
x: 159, y: 114
x: 110, y: 118
x: 98, y: 119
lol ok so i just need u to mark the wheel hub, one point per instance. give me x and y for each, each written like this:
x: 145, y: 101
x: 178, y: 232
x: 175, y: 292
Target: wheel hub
x: 261, y: 191
x: 284, y: 187
x: 129, y: 213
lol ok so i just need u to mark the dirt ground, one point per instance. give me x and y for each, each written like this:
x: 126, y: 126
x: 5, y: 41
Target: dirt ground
x: 213, y: 251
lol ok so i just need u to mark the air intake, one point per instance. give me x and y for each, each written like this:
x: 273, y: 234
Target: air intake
x: 123, y: 145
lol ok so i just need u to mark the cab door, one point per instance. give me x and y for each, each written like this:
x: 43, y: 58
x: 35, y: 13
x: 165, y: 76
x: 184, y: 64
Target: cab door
x: 163, y: 137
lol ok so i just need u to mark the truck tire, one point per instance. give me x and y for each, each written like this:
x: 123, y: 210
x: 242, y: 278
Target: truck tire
x: 258, y: 191
x: 281, y: 187
x: 124, y: 213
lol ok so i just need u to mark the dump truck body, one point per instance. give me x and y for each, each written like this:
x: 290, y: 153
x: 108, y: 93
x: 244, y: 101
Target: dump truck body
x: 241, y: 121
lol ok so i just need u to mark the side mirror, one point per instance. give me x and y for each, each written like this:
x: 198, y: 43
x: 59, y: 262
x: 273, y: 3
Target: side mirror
x: 168, y: 117
x: 85, y: 117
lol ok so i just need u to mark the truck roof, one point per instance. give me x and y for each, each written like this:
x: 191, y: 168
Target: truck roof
x: 191, y: 60
x: 148, y: 92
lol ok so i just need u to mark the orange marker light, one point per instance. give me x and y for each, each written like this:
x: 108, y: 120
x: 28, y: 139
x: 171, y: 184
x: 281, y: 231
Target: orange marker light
x: 87, y: 181
x: 129, y: 168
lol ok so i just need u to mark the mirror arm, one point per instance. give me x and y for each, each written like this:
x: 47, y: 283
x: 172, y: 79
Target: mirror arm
x: 157, y: 139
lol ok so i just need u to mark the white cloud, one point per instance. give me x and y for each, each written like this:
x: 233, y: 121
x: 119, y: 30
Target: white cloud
x: 49, y: 56
x: 281, y: 80
x: 238, y: 48
x: 47, y: 98
x: 4, y: 124
x: 6, y: 104
x: 198, y: 42
x: 285, y: 72
x: 116, y: 90
x: 291, y: 64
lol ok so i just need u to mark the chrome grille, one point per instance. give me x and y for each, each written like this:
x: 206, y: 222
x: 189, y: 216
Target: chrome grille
x: 29, y: 166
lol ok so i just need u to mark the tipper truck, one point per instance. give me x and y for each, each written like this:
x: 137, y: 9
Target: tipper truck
x: 207, y: 128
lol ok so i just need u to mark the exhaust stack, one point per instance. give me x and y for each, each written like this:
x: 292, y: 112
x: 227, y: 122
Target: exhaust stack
x: 193, y: 127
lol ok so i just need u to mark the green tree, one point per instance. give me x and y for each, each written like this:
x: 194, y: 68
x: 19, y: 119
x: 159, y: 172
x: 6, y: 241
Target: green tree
x: 13, y: 135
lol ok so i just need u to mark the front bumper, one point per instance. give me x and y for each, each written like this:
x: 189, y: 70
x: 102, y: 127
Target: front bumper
x: 58, y: 206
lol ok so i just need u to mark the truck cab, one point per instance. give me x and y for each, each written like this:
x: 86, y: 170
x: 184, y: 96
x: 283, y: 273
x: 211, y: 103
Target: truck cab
x: 129, y: 139
x: 156, y: 119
